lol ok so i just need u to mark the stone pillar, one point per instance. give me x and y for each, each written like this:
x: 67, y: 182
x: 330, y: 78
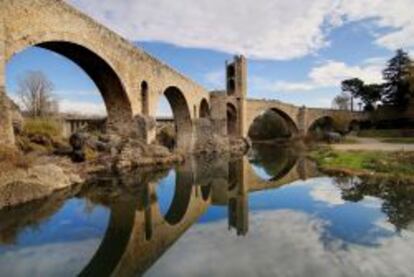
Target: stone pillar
x: 302, y: 121
x: 6, y: 126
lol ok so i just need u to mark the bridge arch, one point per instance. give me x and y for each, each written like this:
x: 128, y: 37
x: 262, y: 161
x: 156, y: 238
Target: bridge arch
x: 291, y: 128
x: 181, y: 199
x: 269, y: 169
x: 322, y: 120
x: 93, y: 63
x: 182, y: 117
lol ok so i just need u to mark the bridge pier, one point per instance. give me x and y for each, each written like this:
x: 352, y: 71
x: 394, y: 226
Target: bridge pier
x: 302, y: 121
x: 6, y: 126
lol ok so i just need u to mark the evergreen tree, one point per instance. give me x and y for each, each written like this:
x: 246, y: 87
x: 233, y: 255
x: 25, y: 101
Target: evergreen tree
x: 397, y: 90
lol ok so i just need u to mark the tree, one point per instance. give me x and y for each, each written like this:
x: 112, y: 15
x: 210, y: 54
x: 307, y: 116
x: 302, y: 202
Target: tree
x: 397, y: 90
x: 35, y: 91
x: 342, y: 102
x: 369, y: 94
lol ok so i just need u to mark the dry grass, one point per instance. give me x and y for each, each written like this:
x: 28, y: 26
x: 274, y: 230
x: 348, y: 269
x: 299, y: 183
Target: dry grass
x: 11, y: 158
x: 42, y: 126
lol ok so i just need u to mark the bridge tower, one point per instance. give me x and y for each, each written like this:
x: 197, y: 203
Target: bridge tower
x: 236, y: 82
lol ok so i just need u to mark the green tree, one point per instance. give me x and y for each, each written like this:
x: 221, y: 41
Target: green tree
x: 397, y: 89
x: 368, y: 94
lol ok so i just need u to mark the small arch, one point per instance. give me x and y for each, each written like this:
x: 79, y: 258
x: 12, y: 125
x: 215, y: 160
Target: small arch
x: 231, y: 86
x: 204, y: 109
x: 144, y: 98
x: 206, y: 191
x: 231, y: 120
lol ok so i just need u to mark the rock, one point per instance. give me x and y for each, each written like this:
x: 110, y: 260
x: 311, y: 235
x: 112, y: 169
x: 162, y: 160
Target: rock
x: 19, y: 186
x: 77, y: 141
x: 136, y: 153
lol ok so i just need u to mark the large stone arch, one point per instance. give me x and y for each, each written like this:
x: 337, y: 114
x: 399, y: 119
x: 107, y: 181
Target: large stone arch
x: 56, y: 26
x: 291, y: 125
x: 100, y: 71
x: 182, y: 117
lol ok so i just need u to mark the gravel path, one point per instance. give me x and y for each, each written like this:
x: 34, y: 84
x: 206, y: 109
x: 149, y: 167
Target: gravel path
x: 373, y: 144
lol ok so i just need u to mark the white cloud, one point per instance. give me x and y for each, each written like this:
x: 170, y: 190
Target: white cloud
x: 274, y: 29
x: 282, y: 243
x: 270, y: 29
x: 58, y: 259
x: 329, y: 74
x: 328, y: 194
x: 395, y: 14
x: 80, y: 107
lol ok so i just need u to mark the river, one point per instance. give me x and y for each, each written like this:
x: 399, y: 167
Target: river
x: 270, y: 213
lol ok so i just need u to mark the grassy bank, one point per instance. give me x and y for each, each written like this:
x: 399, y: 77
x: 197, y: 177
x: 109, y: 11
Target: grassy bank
x: 396, y: 165
x: 399, y: 140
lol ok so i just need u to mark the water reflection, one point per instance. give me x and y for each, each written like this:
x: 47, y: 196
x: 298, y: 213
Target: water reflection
x: 284, y: 219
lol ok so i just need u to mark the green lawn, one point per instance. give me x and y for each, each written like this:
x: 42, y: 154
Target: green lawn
x: 398, y: 163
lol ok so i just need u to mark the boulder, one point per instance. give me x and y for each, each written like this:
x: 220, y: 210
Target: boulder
x: 21, y: 185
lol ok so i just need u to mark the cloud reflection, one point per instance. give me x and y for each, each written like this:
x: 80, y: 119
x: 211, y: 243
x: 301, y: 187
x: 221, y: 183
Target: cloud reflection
x: 57, y: 259
x: 282, y: 243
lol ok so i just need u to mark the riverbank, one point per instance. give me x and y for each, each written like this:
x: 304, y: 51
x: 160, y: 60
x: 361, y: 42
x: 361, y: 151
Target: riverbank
x: 374, y: 144
x: 397, y: 165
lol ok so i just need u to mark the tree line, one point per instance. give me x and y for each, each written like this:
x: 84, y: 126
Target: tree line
x: 397, y: 90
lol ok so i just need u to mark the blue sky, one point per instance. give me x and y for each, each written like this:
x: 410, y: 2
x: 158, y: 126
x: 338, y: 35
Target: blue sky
x: 298, y: 50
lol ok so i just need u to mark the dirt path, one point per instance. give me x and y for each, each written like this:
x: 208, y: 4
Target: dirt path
x: 373, y: 144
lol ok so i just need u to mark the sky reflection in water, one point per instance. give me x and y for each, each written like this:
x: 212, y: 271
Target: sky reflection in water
x: 316, y: 227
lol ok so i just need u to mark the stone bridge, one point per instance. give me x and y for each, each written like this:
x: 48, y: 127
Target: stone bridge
x: 131, y: 81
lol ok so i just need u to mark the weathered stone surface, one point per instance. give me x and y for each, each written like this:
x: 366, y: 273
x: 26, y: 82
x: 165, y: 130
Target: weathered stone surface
x: 136, y: 153
x: 20, y: 185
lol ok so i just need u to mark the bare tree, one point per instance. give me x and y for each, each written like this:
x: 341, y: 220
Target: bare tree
x: 35, y: 91
x: 342, y: 102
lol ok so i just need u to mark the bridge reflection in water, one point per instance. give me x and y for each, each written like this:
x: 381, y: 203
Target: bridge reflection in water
x: 139, y: 232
